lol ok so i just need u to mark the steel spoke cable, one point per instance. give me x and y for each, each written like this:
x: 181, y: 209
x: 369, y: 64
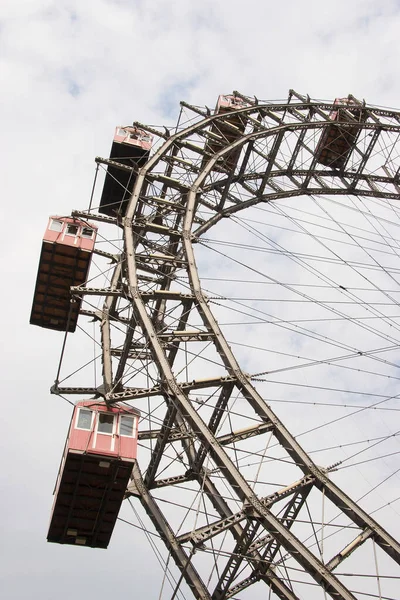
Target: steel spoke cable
x: 328, y: 361
x: 379, y: 265
x: 371, y: 490
x: 366, y: 327
x: 291, y: 568
x: 386, y: 397
x: 340, y: 468
x: 300, y: 285
x: 336, y: 420
x: 324, y: 245
x: 303, y: 257
x: 358, y: 211
x: 338, y: 464
x: 333, y: 405
x: 295, y: 329
x: 385, y: 438
x: 369, y: 217
x: 207, y: 290
x: 319, y: 274
x: 377, y: 443
x: 277, y: 209
x: 296, y: 321
x: 361, y: 409
x: 322, y: 237
x: 328, y: 404
x: 205, y: 549
x: 157, y: 553
x: 79, y: 369
x: 394, y: 577
x: 297, y: 301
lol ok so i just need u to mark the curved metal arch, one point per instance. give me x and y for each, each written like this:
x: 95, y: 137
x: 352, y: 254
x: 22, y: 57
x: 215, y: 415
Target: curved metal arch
x: 208, y: 120
x: 274, y: 132
x: 265, y: 198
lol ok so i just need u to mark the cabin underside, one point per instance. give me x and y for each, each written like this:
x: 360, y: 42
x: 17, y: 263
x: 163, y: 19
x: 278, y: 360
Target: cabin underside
x: 223, y: 133
x: 88, y: 499
x: 335, y: 146
x: 60, y: 267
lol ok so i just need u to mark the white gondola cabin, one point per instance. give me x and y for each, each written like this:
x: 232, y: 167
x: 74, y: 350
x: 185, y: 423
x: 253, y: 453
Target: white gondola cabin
x: 95, y: 469
x: 336, y: 141
x: 130, y: 149
x: 65, y: 258
x: 224, y: 133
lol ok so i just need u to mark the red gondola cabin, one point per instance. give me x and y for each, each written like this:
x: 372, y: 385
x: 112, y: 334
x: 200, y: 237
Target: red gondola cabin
x: 94, y: 473
x: 336, y: 142
x: 224, y: 133
x: 65, y: 258
x: 130, y: 148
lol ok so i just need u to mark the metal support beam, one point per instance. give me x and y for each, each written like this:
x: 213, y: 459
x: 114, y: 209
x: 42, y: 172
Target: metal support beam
x: 106, y: 333
x: 356, y: 543
x: 159, y: 244
x: 137, y: 487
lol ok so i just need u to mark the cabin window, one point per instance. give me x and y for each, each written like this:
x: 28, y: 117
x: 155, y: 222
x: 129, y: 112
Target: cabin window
x: 106, y: 423
x: 122, y: 132
x: 56, y: 225
x: 126, y: 425
x: 84, y: 419
x: 87, y: 232
x: 72, y: 229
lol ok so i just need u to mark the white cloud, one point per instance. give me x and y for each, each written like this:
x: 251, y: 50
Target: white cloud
x: 69, y: 72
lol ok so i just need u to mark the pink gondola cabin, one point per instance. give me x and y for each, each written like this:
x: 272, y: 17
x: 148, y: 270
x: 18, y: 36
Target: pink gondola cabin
x: 65, y: 258
x: 95, y: 469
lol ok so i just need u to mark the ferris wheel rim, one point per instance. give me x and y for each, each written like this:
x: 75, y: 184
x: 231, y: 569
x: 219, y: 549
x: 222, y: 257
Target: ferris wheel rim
x: 190, y: 236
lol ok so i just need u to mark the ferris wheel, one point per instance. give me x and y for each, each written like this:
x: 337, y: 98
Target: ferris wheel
x: 234, y: 286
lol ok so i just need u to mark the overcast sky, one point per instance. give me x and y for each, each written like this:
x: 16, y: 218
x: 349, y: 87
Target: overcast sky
x: 70, y: 71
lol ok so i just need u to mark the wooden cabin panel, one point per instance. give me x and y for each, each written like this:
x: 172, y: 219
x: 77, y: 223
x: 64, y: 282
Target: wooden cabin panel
x: 70, y: 233
x: 81, y: 439
x: 83, y: 518
x: 225, y: 105
x: 54, y: 319
x: 60, y: 257
x: 132, y: 152
x: 230, y: 159
x: 334, y: 150
x: 65, y: 258
x: 120, y: 440
x: 88, y: 499
x: 336, y: 142
x: 57, y: 319
x: 60, y: 267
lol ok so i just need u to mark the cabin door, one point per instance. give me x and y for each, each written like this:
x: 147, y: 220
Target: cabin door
x: 105, y: 438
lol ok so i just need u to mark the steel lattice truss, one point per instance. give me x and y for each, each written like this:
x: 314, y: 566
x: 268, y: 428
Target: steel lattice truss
x: 150, y: 325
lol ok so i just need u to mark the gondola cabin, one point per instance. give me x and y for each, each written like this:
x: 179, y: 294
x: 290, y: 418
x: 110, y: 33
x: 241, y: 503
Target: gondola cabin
x: 129, y: 151
x: 223, y: 133
x: 65, y: 258
x: 94, y: 473
x: 336, y: 141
